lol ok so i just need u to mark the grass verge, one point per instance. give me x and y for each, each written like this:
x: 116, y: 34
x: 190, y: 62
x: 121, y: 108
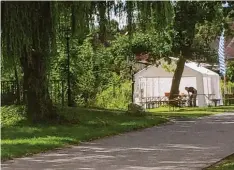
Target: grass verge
x: 20, y: 138
x: 225, y: 164
x: 190, y: 112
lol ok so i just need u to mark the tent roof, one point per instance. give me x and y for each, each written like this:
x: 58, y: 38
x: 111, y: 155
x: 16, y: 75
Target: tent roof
x: 200, y: 69
x: 189, y: 66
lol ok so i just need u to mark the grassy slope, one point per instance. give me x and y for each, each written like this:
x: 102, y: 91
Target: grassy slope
x: 20, y: 138
x: 225, y: 164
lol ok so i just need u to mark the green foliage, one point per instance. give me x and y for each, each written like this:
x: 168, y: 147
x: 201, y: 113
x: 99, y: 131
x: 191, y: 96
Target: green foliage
x: 95, y: 70
x: 156, y: 15
x: 230, y: 71
x: 203, y: 46
x: 116, y: 96
x: 169, y: 66
x: 229, y: 87
x: 157, y: 45
x: 190, y: 16
x: 12, y: 115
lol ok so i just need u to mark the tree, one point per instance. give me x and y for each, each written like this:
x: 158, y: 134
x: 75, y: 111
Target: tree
x: 33, y: 37
x: 187, y: 16
x: 31, y: 32
x: 29, y: 25
x: 229, y: 28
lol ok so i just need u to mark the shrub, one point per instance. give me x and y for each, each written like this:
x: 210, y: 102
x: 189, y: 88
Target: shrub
x: 15, y: 115
x: 117, y: 97
x: 12, y: 115
x: 229, y: 87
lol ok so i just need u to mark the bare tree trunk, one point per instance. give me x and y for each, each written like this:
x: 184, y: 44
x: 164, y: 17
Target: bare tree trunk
x: 39, y: 104
x: 177, y: 78
x: 102, y: 22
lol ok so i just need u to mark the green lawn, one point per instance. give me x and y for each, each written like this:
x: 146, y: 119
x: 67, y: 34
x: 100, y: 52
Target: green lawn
x: 19, y: 138
x: 190, y: 112
x: 225, y: 164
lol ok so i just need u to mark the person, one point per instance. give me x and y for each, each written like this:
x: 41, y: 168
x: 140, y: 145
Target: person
x: 193, y: 96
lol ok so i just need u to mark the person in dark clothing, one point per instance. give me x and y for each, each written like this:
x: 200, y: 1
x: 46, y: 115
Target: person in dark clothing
x: 192, y: 92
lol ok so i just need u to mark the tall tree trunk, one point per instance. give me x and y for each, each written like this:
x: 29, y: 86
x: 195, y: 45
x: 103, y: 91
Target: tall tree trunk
x: 177, y: 78
x: 34, y: 61
x: 17, y: 84
x: 39, y: 104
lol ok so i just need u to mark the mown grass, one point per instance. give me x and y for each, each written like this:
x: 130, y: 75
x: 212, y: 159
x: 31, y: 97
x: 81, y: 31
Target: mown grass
x: 190, y: 112
x: 225, y: 164
x: 20, y: 138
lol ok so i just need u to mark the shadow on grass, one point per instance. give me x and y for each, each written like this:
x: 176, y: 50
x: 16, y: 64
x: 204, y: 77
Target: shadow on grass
x: 80, y: 131
x: 9, y: 150
x: 24, y: 138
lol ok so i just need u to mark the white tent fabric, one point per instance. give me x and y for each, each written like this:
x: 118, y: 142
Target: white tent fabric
x: 153, y: 82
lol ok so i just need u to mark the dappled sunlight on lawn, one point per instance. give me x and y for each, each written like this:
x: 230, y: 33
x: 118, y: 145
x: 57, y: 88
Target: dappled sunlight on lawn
x: 22, y: 139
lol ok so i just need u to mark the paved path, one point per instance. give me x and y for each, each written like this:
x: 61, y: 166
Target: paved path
x: 184, y: 145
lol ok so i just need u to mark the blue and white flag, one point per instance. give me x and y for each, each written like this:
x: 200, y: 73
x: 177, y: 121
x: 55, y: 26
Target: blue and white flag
x: 221, y: 53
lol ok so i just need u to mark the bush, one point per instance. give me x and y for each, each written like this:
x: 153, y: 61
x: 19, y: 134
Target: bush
x: 15, y: 115
x: 12, y: 115
x: 136, y: 110
x: 115, y: 97
x: 229, y: 87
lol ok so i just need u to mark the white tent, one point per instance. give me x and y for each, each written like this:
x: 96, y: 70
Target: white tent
x: 153, y: 82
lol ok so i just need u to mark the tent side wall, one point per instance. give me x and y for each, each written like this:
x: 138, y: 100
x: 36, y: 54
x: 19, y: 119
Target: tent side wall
x: 200, y: 91
x: 215, y: 79
x: 199, y: 85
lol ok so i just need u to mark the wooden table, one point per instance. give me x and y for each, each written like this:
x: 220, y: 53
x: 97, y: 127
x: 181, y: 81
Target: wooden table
x: 215, y: 101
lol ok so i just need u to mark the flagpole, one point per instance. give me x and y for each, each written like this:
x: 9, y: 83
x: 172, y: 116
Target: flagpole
x: 222, y: 63
x: 225, y: 78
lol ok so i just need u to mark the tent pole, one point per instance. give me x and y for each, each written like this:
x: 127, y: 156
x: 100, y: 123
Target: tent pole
x: 208, y: 90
